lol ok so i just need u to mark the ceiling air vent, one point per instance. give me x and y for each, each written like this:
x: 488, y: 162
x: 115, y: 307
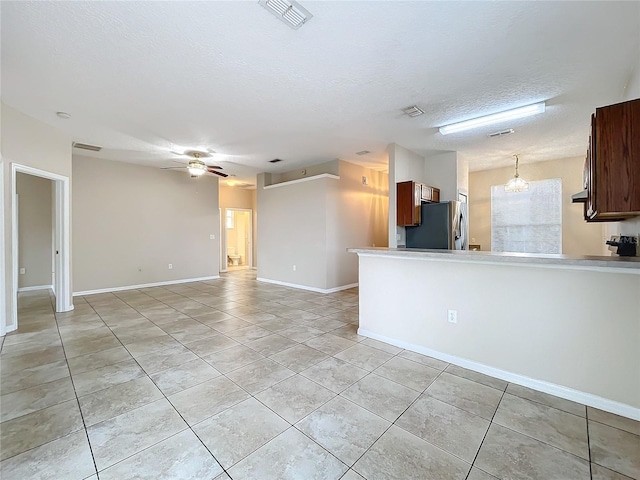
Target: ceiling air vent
x: 508, y: 131
x: 85, y: 146
x: 363, y: 152
x: 275, y: 160
x: 413, y: 111
x: 290, y: 12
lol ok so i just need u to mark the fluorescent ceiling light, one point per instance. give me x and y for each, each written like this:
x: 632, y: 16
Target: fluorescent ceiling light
x: 290, y: 12
x: 494, y: 118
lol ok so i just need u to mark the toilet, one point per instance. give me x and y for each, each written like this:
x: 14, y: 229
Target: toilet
x: 233, y: 258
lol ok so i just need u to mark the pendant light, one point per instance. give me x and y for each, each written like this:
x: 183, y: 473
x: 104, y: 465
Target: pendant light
x: 516, y: 184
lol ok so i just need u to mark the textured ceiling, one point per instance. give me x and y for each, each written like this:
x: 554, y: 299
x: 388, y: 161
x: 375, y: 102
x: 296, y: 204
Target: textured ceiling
x: 142, y: 78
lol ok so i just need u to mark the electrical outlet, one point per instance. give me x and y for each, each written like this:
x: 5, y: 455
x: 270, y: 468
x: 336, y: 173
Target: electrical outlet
x: 294, y: 268
x: 452, y: 316
x: 398, y: 236
x: 23, y: 271
x: 212, y: 237
x: 170, y: 266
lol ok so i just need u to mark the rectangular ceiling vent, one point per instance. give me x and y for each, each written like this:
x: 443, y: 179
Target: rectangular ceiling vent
x: 363, y: 152
x: 290, y: 12
x: 508, y: 131
x: 275, y: 160
x: 413, y: 111
x: 86, y: 146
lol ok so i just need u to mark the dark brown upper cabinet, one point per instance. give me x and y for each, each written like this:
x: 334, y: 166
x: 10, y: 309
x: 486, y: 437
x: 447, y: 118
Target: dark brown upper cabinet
x: 409, y: 197
x: 612, y: 167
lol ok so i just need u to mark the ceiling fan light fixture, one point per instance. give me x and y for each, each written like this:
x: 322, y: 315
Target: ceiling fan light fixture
x: 197, y: 168
x: 516, y: 184
x: 499, y: 117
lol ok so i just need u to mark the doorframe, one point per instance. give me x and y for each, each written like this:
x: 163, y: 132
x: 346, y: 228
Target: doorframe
x: 250, y: 247
x: 62, y: 208
x: 3, y: 271
x: 222, y: 242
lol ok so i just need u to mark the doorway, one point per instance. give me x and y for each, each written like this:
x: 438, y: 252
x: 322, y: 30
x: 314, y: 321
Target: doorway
x: 36, y: 235
x: 61, y: 224
x: 237, y: 224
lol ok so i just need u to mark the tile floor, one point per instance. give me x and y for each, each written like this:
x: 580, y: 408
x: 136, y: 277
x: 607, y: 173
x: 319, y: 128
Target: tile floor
x: 237, y: 379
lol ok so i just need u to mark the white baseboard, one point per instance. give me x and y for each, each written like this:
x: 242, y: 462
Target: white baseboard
x: 34, y: 288
x: 306, y: 287
x: 144, y: 285
x: 547, y: 387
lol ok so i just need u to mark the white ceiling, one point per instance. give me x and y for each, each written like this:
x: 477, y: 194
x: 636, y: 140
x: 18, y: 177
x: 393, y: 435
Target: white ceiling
x: 142, y: 78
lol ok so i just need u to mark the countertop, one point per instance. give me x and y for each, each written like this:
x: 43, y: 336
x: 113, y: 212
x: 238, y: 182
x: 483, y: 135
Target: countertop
x: 587, y: 262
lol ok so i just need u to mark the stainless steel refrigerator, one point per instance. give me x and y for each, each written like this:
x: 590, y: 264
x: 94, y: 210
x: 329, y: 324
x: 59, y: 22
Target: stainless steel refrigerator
x: 443, y: 226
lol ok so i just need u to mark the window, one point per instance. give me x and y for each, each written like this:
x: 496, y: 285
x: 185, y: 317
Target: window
x: 230, y: 219
x: 530, y: 221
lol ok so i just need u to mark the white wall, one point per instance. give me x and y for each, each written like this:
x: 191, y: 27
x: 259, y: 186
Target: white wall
x: 356, y: 215
x: 311, y: 224
x: 292, y: 225
x: 29, y: 142
x: 574, y: 328
x: 404, y: 165
x: 441, y: 171
x: 35, y: 230
x: 332, y: 167
x: 131, y: 221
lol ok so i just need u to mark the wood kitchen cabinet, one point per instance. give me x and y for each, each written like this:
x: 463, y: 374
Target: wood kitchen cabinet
x: 409, y: 198
x: 612, y: 167
x: 430, y: 194
x: 408, y: 201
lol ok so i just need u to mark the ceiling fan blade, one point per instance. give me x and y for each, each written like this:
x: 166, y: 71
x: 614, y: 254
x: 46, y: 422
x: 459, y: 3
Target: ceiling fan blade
x: 220, y: 174
x: 217, y: 167
x: 170, y: 168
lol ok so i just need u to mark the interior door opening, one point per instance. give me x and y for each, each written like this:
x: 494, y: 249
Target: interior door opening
x: 59, y: 249
x: 238, y: 238
x: 35, y: 199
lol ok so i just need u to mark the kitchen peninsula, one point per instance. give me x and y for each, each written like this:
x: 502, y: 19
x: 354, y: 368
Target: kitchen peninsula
x: 568, y: 326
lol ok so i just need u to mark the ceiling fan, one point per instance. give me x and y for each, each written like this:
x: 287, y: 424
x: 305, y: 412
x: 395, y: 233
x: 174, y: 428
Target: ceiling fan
x: 197, y: 167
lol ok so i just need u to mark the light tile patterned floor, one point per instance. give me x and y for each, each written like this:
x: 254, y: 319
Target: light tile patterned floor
x: 237, y: 379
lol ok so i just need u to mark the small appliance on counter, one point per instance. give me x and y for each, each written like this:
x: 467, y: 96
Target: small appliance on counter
x: 444, y: 225
x: 627, y: 246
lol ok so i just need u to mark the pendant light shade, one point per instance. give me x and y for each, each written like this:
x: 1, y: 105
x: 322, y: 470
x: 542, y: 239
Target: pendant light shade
x: 516, y: 184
